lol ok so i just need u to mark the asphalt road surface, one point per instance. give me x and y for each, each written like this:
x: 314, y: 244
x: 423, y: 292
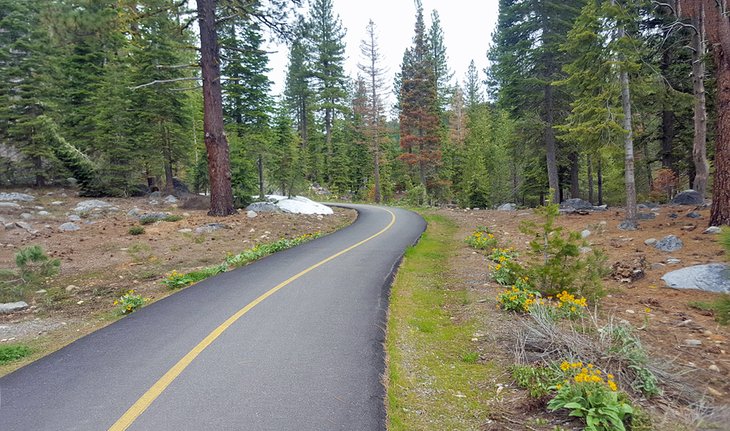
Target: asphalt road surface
x: 291, y: 342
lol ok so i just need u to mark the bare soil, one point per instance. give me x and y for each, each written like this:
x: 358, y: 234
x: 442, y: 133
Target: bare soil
x: 102, y: 260
x: 665, y: 314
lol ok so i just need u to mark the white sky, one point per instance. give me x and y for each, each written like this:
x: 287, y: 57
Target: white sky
x: 467, y: 27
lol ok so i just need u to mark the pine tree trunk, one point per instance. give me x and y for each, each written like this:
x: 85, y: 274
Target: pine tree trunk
x: 219, y: 168
x: 599, y: 175
x: 668, y: 119
x: 589, y: 163
x: 167, y: 155
x: 574, y: 175
x: 260, y: 166
x: 699, y: 147
x: 720, y: 213
x: 630, y: 182
x: 550, y: 145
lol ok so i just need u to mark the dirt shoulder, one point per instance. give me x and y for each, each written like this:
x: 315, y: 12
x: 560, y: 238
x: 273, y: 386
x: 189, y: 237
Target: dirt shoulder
x: 101, y: 260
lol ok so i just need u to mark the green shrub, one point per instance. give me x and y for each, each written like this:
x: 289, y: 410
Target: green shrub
x: 33, y: 264
x: 136, y: 230
x: 557, y: 264
x: 145, y: 220
x: 627, y: 346
x: 13, y: 352
x: 417, y: 196
x: 539, y: 381
x: 173, y: 218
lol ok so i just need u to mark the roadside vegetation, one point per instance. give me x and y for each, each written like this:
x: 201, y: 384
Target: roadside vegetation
x: 435, y: 375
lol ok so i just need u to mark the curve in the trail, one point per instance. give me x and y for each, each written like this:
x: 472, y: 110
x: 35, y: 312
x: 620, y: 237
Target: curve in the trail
x: 291, y: 342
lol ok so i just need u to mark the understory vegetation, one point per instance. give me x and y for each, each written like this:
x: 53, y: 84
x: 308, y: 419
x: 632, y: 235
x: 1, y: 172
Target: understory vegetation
x: 33, y: 269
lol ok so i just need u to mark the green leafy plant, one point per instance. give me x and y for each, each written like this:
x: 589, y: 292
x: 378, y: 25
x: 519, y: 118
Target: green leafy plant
x: 518, y: 298
x: 482, y: 239
x: 470, y: 357
x: 13, y: 352
x: 177, y: 280
x: 539, y: 381
x: 129, y: 302
x: 557, y: 263
x: 136, y: 230
x: 591, y: 397
x: 145, y: 220
x: 173, y: 218
x: 627, y: 346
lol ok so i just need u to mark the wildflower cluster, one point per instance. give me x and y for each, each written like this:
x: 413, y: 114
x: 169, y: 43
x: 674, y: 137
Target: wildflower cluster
x: 129, y: 302
x: 567, y: 305
x: 591, y: 396
x: 501, y: 255
x: 176, y: 280
x: 518, y: 298
x: 482, y: 239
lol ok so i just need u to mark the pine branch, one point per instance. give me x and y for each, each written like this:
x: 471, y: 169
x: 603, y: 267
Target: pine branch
x: 164, y: 81
x: 177, y: 66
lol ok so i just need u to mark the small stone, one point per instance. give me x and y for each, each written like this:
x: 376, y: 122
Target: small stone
x: 689, y: 227
x: 91, y: 205
x: 507, y: 207
x: 712, y: 230
x: 585, y: 250
x: 56, y: 203
x: 80, y: 302
x: 26, y: 226
x: 646, y: 216
x: 673, y: 261
x: 185, y: 230
x: 656, y: 266
x: 694, y: 214
x: 71, y: 288
x: 669, y: 243
x: 627, y: 225
x: 74, y: 217
x: 673, y: 215
x: 40, y: 292
x: 16, y: 197
x: 69, y: 227
x: 43, y: 213
x: 585, y: 234
x: 11, y: 307
x: 714, y: 392
x: 650, y: 241
x: 251, y: 214
x: 186, y: 214
x: 692, y: 343
x: 26, y: 216
x: 630, y: 312
x: 170, y: 199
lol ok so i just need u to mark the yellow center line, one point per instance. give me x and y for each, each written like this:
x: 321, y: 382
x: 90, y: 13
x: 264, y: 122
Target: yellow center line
x: 159, y: 387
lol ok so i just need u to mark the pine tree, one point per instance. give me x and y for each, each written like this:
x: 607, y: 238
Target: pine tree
x: 472, y: 87
x: 419, y: 118
x: 527, y: 60
x: 372, y: 108
x: 328, y: 48
x: 442, y: 74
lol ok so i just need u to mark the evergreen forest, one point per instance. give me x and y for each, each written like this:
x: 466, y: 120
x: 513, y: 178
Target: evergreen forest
x: 614, y: 101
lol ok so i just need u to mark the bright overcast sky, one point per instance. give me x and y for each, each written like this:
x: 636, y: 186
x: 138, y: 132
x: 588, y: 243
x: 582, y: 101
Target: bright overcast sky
x: 467, y: 26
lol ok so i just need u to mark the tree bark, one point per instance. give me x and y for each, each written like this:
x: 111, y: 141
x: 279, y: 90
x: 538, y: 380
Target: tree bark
x: 574, y: 175
x: 167, y: 162
x: 219, y: 168
x: 260, y: 166
x: 589, y: 164
x: 599, y: 175
x: 699, y: 147
x: 668, y: 120
x: 550, y: 145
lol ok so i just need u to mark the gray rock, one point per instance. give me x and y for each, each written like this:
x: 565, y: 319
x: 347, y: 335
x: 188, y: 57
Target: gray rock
x: 251, y: 214
x: 694, y: 214
x: 576, y: 203
x: 56, y: 203
x: 646, y: 216
x: 170, y: 199
x: 9, y: 205
x: 673, y: 215
x: 69, y: 227
x: 11, y: 307
x: 585, y: 234
x: 155, y: 195
x: 688, y: 197
x: 714, y: 368
x: 585, y: 250
x: 650, y: 241
x: 210, y: 227
x: 90, y: 205
x: 134, y: 212
x: 43, y: 213
x: 26, y: 216
x: 154, y: 202
x: 713, y: 277
x: 656, y: 266
x: 71, y: 288
x: 642, y: 207
x: 74, y: 217
x: 692, y: 343
x: 264, y: 207
x: 713, y: 230
x: 627, y: 225
x: 27, y: 226
x: 185, y: 230
x: 673, y: 261
x: 669, y: 243
x: 16, y: 197
x: 600, y: 208
x: 507, y: 207
x: 9, y: 226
